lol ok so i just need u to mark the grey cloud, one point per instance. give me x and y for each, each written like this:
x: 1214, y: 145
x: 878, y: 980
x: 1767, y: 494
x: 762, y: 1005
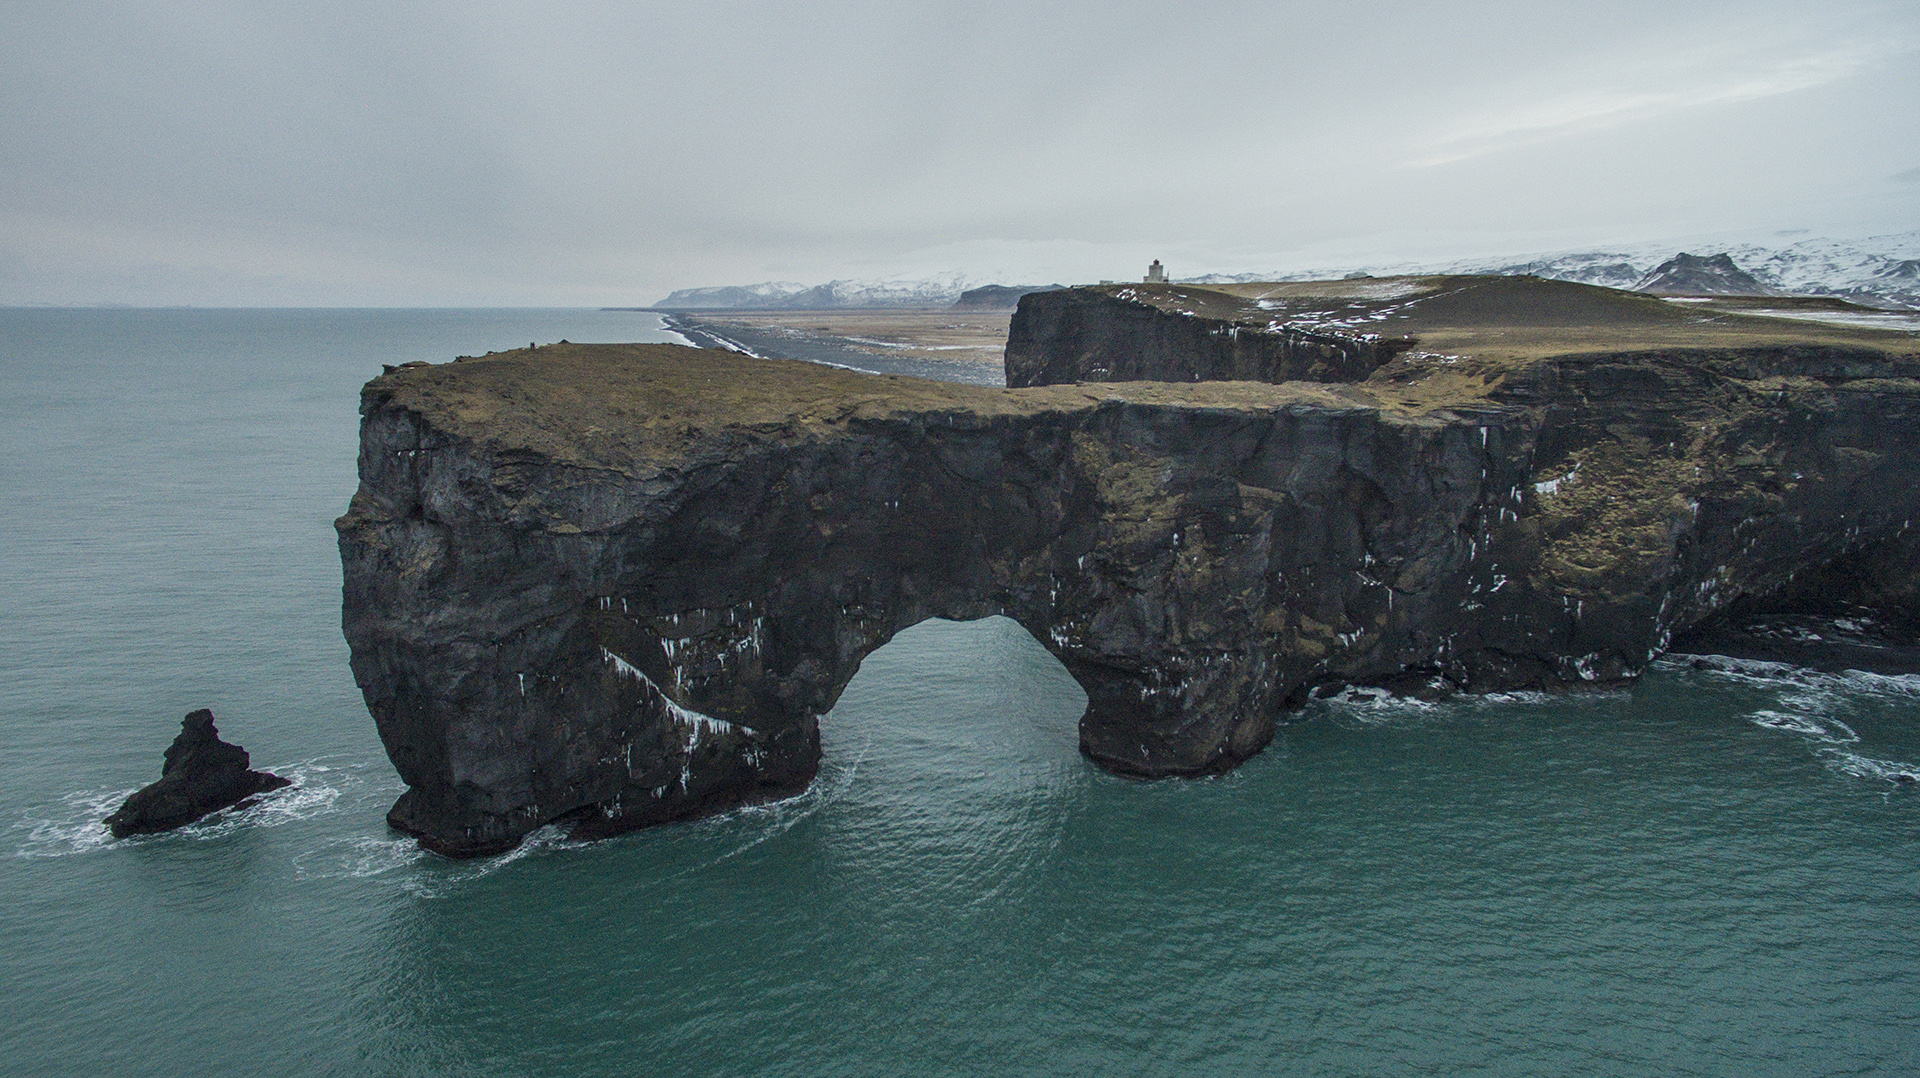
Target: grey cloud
x: 608, y: 153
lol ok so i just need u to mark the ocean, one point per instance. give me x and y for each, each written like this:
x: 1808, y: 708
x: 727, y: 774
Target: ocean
x: 1708, y: 873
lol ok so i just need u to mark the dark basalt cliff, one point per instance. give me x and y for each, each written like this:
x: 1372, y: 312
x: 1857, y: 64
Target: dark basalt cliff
x: 1123, y: 335
x: 617, y: 585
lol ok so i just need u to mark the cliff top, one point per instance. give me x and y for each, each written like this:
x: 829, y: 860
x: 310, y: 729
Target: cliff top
x: 641, y: 406
x: 1507, y: 320
x: 631, y: 405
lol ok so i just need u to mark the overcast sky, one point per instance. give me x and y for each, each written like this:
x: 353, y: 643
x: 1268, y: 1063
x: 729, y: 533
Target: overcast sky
x: 590, y: 154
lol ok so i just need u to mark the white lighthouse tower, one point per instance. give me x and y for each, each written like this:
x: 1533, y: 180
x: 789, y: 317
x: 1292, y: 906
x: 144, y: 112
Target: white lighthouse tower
x: 1156, y: 273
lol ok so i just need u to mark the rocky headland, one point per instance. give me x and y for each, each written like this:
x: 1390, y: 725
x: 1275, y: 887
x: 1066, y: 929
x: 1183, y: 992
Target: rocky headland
x: 999, y: 296
x: 617, y: 585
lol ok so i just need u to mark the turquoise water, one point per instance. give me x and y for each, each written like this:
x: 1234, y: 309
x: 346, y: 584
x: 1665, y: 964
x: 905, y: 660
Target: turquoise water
x: 1710, y: 874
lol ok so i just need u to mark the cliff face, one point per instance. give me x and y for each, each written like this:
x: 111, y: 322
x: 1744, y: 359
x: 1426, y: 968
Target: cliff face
x: 617, y: 585
x: 560, y: 608
x: 1124, y: 334
x: 1666, y: 488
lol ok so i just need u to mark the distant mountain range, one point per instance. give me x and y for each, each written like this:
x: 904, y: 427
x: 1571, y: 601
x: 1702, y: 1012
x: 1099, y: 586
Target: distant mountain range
x: 782, y: 295
x: 1881, y: 271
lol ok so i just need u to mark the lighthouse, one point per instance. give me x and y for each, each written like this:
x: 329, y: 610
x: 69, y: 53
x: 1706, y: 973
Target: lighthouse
x: 1156, y: 273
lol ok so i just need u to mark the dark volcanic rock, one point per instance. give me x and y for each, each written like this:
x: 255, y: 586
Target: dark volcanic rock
x: 618, y: 585
x: 1122, y: 334
x: 1702, y: 275
x: 202, y: 774
x: 998, y: 296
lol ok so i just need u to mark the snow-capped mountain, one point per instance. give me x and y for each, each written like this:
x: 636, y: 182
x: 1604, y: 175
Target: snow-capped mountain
x: 938, y: 290
x: 1880, y: 271
x: 733, y: 295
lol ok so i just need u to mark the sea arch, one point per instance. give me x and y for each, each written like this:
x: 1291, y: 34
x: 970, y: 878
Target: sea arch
x: 617, y: 585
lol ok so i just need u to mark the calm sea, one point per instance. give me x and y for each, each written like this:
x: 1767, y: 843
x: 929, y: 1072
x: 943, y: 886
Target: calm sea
x: 1710, y: 874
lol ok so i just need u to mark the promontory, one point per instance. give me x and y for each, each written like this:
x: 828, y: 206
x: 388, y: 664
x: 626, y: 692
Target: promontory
x: 617, y: 585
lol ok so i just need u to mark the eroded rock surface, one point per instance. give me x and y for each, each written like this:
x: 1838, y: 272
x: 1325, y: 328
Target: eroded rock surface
x: 617, y: 585
x: 1124, y: 334
x: 202, y: 775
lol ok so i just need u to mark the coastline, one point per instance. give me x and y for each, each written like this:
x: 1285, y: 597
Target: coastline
x: 699, y: 336
x: 908, y: 353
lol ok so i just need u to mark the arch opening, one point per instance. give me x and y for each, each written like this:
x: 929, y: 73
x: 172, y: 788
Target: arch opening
x: 963, y: 714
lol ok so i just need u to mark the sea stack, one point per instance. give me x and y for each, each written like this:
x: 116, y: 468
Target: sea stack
x: 202, y: 774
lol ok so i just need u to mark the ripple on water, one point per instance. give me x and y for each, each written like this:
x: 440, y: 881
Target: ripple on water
x: 355, y: 857
x: 438, y: 876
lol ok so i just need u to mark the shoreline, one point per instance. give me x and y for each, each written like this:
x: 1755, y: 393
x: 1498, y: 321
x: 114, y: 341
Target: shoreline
x: 842, y: 350
x: 698, y: 336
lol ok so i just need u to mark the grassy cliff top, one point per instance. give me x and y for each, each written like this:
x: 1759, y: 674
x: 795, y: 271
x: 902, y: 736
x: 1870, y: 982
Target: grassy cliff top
x: 1520, y: 319
x: 621, y: 405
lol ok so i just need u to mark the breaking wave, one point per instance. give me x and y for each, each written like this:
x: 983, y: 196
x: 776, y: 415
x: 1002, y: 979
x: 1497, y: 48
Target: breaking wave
x: 74, y: 825
x: 1374, y: 706
x: 427, y: 875
x: 1808, y: 704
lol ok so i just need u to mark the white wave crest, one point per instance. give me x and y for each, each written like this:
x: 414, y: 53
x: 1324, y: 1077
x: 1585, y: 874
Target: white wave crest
x: 1808, y: 703
x: 74, y: 825
x: 1866, y: 767
x: 438, y: 875
x: 1823, y: 729
x: 1761, y: 672
x: 1379, y: 707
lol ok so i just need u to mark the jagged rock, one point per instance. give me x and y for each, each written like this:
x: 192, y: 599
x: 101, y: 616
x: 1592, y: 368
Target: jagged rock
x: 1702, y: 275
x: 617, y: 585
x: 202, y: 774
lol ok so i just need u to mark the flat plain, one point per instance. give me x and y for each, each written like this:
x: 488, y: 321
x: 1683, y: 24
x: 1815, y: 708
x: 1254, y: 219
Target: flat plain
x: 939, y: 334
